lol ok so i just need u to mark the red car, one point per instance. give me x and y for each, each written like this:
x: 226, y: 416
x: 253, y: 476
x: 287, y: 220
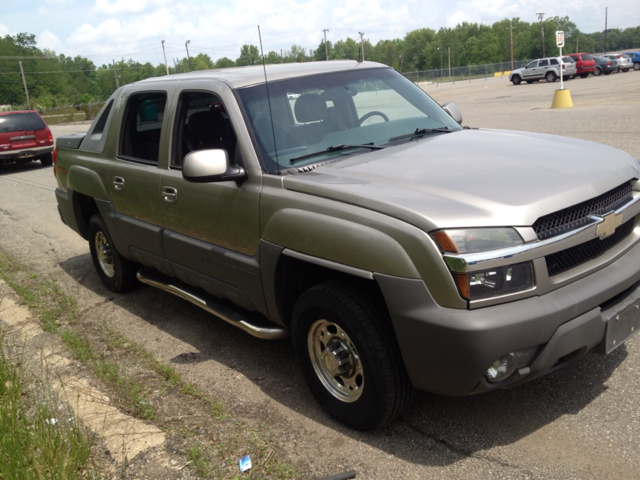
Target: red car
x: 24, y: 137
x: 584, y: 63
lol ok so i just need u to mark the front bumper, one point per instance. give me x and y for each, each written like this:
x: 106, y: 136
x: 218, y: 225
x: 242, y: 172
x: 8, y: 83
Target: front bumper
x: 448, y: 351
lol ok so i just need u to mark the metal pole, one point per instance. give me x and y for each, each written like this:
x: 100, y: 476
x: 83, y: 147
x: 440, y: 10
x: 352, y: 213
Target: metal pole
x: 165, y: 58
x: 326, y: 49
x: 188, y: 57
x: 26, y: 91
x: 361, y: 46
x: 115, y: 74
x: 540, y: 15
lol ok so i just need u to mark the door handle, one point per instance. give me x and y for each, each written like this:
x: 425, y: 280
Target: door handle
x: 169, y: 194
x: 118, y: 183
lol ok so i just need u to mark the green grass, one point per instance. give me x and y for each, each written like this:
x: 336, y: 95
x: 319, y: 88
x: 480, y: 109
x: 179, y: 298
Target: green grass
x: 211, y: 440
x: 37, y: 439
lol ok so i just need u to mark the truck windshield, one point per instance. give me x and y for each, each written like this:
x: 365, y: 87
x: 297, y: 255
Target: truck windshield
x: 305, y: 119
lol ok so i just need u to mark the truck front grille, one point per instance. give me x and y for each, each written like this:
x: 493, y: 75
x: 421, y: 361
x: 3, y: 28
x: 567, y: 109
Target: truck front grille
x: 578, y: 215
x: 572, y: 257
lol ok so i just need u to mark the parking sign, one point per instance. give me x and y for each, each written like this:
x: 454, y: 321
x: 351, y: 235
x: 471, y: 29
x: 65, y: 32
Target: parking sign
x: 560, y: 38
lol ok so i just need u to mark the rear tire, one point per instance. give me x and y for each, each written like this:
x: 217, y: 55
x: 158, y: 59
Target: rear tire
x: 636, y: 66
x: 116, y: 272
x: 46, y: 160
x: 550, y: 77
x: 529, y: 82
x: 350, y: 359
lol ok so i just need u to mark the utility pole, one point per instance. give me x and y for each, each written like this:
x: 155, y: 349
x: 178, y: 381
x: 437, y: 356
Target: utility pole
x: 165, y: 58
x: 326, y: 49
x: 26, y: 91
x: 361, y: 46
x: 540, y: 15
x: 115, y: 74
x: 186, y: 45
x: 449, y: 48
x: 605, y: 30
x: 511, y: 27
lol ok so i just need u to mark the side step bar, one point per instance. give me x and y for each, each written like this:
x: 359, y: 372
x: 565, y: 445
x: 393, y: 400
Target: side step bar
x: 211, y: 305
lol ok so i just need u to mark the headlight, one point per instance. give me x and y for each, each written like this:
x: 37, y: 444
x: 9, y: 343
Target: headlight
x: 494, y: 281
x: 468, y: 240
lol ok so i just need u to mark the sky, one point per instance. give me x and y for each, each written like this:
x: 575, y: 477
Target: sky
x: 107, y: 30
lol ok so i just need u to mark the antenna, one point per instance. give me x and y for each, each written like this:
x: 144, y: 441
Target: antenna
x: 266, y: 84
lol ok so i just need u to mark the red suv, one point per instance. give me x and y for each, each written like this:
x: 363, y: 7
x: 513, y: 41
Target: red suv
x: 24, y: 137
x: 584, y: 63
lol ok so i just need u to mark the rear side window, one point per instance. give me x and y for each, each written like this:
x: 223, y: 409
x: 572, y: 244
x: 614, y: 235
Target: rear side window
x: 554, y: 61
x: 142, y: 126
x: 21, y: 121
x: 587, y: 57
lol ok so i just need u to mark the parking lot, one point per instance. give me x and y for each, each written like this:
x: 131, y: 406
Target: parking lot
x: 581, y: 422
x: 606, y: 109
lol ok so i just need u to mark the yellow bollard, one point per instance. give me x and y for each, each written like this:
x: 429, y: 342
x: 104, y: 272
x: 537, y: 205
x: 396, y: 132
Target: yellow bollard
x: 562, y: 99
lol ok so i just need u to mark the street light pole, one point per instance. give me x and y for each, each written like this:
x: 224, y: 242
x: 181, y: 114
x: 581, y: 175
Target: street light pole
x: 361, y: 46
x: 540, y: 15
x: 165, y: 58
x: 188, y: 57
x: 326, y: 49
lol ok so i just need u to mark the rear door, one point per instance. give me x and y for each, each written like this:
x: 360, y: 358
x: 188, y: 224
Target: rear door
x: 134, y: 176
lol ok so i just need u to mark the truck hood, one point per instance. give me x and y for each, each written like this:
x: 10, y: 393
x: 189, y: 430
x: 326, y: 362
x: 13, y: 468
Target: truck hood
x: 471, y: 178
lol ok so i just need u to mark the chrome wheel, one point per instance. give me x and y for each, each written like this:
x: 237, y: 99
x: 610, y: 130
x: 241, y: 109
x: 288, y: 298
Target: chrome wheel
x: 104, y: 254
x: 336, y: 361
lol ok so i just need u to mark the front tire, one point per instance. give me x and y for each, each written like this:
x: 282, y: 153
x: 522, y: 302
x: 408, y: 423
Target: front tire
x: 550, y: 77
x: 116, y: 272
x: 349, y: 356
x: 516, y: 80
x: 597, y: 72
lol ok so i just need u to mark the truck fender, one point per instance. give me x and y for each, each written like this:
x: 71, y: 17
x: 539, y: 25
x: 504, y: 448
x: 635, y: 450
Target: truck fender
x: 87, y: 182
x: 340, y: 241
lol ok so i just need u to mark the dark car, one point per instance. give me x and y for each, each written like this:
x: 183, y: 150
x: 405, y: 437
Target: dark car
x: 604, y: 65
x: 24, y: 137
x: 584, y: 64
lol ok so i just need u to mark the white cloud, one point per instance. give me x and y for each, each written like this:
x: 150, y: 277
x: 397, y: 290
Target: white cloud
x: 120, y: 6
x: 52, y: 42
x: 3, y: 30
x: 459, y: 17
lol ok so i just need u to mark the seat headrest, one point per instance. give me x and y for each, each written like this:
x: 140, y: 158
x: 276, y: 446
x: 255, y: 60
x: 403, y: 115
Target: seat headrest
x: 206, y: 124
x: 310, y: 108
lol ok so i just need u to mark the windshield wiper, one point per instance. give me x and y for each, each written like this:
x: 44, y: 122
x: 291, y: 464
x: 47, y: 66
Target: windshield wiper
x: 335, y: 148
x: 420, y: 132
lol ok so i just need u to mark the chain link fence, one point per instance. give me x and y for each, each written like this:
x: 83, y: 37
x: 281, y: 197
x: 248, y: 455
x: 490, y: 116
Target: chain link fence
x: 461, y: 74
x: 71, y: 114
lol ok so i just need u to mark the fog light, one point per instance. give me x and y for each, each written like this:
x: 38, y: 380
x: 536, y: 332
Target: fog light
x: 505, y: 366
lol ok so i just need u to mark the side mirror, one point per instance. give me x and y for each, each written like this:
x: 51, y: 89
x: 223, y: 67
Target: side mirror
x: 453, y: 110
x: 204, y: 166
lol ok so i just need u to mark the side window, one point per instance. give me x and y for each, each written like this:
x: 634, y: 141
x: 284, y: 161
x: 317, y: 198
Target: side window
x: 142, y: 126
x: 533, y: 64
x: 202, y: 123
x: 544, y: 63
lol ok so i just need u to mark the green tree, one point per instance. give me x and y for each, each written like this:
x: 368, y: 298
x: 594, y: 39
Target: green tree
x: 249, y: 55
x: 224, y: 62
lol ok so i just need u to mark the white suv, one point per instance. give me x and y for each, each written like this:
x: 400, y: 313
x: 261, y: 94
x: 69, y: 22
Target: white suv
x: 549, y: 68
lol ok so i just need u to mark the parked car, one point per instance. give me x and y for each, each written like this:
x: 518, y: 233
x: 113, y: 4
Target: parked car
x: 585, y: 64
x: 24, y: 137
x: 624, y: 62
x: 604, y: 65
x: 549, y: 68
x: 635, y: 58
x: 398, y: 249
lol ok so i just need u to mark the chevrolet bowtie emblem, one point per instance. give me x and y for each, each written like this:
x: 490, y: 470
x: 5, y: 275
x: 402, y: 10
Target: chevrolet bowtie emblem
x: 608, y: 226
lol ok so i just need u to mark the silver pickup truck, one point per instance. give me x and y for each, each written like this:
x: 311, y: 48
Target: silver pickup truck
x: 337, y: 203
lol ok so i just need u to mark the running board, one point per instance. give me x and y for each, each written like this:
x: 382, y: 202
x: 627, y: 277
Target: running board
x: 211, y: 305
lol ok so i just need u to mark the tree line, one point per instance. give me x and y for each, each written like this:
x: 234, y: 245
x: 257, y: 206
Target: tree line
x: 57, y: 80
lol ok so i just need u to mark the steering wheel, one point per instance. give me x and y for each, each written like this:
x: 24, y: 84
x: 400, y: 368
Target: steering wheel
x: 372, y: 114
